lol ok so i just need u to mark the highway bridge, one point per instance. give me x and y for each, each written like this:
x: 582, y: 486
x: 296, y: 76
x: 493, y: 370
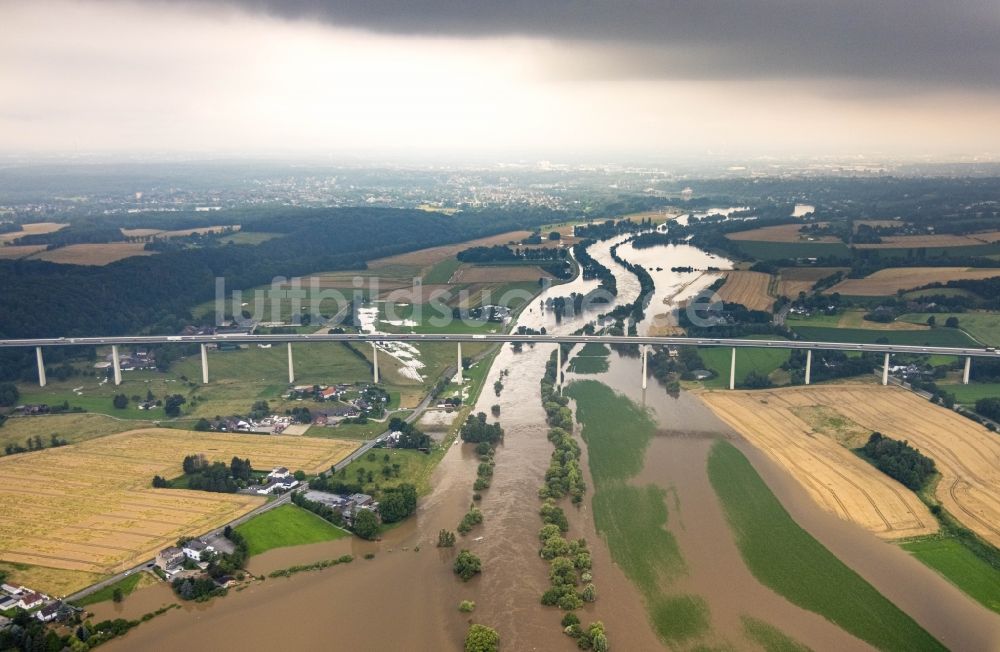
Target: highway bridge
x: 458, y: 338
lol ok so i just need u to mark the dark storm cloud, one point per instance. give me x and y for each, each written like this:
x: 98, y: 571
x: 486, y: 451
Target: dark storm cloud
x: 906, y: 41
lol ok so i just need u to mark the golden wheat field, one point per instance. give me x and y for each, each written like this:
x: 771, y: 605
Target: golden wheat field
x: 90, y: 507
x: 811, y: 442
x: 967, y: 455
x: 886, y: 282
x: 748, y: 289
x: 781, y: 233
x: 93, y: 254
x: 432, y: 255
x: 13, y: 252
x: 32, y: 229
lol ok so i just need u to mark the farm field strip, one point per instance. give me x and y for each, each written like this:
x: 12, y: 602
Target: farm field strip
x: 432, y: 255
x: 93, y: 254
x: 748, y: 289
x: 781, y: 233
x: 935, y: 240
x: 790, y: 561
x: 837, y: 480
x: 984, y: 326
x: 966, y: 454
x: 106, y: 515
x: 886, y: 282
x: 792, y: 280
x: 33, y: 228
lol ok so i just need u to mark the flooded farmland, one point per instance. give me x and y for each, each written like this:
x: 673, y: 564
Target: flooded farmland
x: 406, y: 596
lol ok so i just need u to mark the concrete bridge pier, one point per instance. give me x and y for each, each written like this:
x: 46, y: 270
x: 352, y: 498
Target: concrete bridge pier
x: 375, y: 362
x: 968, y: 368
x: 204, y: 364
x: 291, y: 365
x: 41, y: 366
x: 885, y: 370
x: 809, y: 365
x: 645, y: 355
x: 732, y: 370
x: 559, y: 366
x: 460, y: 379
x: 116, y: 364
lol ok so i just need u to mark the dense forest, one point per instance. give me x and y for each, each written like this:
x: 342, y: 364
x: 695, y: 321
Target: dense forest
x: 153, y: 294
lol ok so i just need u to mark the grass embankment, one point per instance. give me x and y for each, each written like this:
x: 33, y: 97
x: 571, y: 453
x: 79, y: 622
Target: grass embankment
x: 633, y: 520
x: 960, y: 566
x: 592, y: 359
x: 764, y: 361
x: 770, y: 637
x: 127, y: 586
x: 786, y: 558
x: 286, y: 526
x: 984, y: 326
x: 969, y: 394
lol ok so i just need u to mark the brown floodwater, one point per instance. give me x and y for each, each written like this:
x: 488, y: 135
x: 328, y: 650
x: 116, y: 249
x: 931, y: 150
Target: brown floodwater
x: 406, y: 597
x: 676, y: 461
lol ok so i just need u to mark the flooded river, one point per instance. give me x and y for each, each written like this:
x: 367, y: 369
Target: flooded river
x: 406, y: 597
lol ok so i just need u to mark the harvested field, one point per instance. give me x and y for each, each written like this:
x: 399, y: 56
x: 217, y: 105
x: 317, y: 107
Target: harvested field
x: 810, y: 441
x: 965, y: 453
x: 876, y: 223
x: 93, y: 254
x: 428, y: 257
x: 89, y: 507
x: 72, y: 427
x: 747, y: 288
x: 792, y: 280
x: 498, y: 274
x: 160, y: 233
x: 219, y: 228
x: 32, y: 229
x: 140, y: 233
x: 12, y: 252
x: 942, y: 240
x: 886, y: 282
x: 780, y: 233
x: 856, y: 319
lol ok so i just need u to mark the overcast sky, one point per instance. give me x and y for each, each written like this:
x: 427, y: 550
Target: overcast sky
x: 543, y: 78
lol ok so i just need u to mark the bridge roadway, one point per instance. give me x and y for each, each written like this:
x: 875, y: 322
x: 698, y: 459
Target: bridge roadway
x: 497, y: 337
x: 458, y: 338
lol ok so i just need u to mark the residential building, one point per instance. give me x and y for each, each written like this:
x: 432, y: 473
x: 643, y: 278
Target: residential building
x: 30, y: 600
x: 195, y: 548
x: 170, y: 559
x: 49, y: 612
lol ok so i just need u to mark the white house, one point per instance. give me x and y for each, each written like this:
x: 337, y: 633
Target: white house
x: 30, y: 600
x: 49, y: 612
x: 194, y: 549
x: 279, y: 473
x: 278, y: 484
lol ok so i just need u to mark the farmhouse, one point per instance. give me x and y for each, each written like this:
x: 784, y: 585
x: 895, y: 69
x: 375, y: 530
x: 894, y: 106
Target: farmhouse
x: 49, y: 612
x: 279, y: 479
x: 169, y: 559
x: 195, y: 548
x: 30, y: 600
